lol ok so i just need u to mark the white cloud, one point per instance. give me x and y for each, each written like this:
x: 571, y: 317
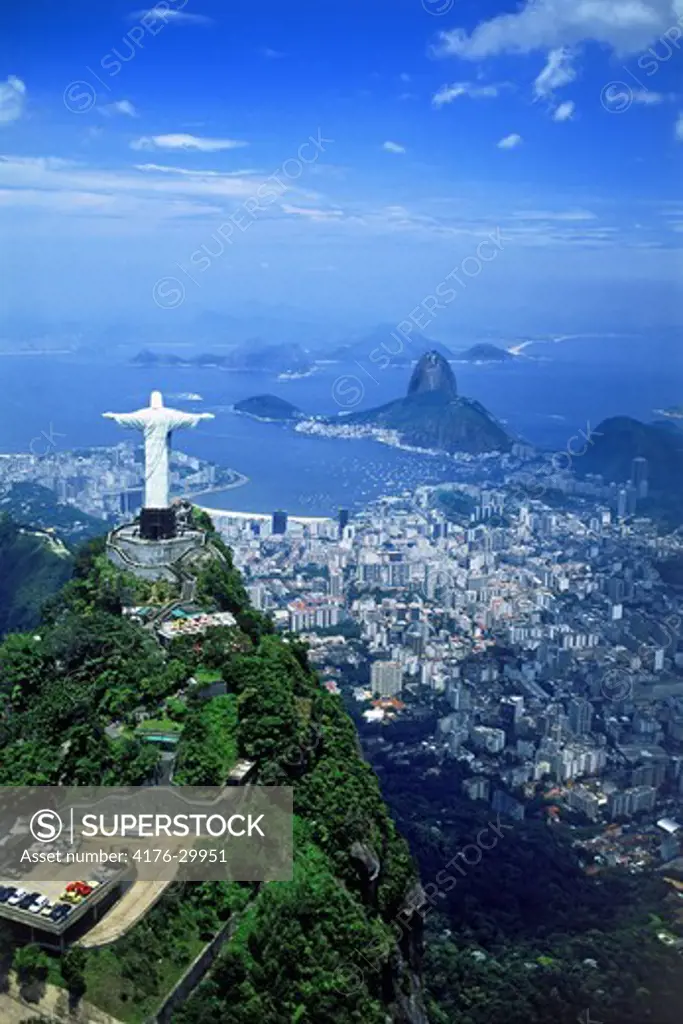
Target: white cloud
x: 12, y: 99
x: 678, y: 130
x: 53, y: 174
x: 561, y: 215
x: 557, y: 73
x: 565, y: 111
x: 626, y: 26
x: 393, y: 147
x: 121, y: 107
x: 94, y: 204
x: 165, y: 169
x: 310, y: 213
x: 147, y: 193
x: 510, y: 141
x: 164, y: 13
x: 448, y: 93
x: 62, y: 201
x: 180, y: 141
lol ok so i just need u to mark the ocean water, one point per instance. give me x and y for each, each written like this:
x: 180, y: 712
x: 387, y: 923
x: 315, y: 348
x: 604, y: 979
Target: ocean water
x: 546, y: 396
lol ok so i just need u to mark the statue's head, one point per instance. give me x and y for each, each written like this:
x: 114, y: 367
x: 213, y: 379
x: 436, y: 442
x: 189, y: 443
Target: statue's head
x: 156, y: 401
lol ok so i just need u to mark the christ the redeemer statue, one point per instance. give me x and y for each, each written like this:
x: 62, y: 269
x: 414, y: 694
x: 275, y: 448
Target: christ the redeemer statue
x: 157, y: 423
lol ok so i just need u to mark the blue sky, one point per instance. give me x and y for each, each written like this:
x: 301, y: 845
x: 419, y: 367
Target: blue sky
x: 130, y: 137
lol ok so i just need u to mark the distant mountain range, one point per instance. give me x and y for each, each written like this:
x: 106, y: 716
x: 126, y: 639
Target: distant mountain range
x: 386, y: 346
x: 383, y: 347
x: 251, y: 356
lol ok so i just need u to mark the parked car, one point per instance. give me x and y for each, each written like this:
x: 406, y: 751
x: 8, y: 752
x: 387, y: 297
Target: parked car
x: 46, y: 910
x: 38, y: 905
x: 5, y: 892
x: 17, y: 895
x: 26, y: 901
x: 59, y: 912
x: 72, y: 897
x: 80, y: 888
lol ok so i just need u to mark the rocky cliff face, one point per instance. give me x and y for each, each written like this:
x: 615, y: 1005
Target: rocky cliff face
x: 433, y: 374
x: 401, y: 971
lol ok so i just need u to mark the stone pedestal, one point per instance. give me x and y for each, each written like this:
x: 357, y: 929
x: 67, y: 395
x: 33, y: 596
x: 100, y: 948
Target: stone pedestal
x: 157, y: 523
x: 149, y: 559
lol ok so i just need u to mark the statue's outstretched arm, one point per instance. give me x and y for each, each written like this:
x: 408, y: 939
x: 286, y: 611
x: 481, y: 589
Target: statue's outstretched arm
x: 126, y: 419
x: 188, y: 419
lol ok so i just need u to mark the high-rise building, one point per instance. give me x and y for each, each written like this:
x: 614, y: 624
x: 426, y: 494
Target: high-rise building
x: 507, y: 805
x: 511, y: 710
x: 312, y: 614
x: 386, y: 678
x: 343, y: 519
x: 131, y: 501
x: 279, y: 521
x: 580, y: 716
x: 257, y: 595
x: 584, y: 801
x: 639, y: 476
x: 335, y: 585
x: 484, y: 737
x: 459, y: 696
x: 631, y: 499
x: 477, y: 787
x: 628, y: 802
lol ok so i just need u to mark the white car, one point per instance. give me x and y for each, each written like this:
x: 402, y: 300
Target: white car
x: 14, y: 899
x: 36, y: 907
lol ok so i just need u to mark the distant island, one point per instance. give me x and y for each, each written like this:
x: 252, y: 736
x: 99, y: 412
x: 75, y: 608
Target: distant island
x: 268, y: 407
x: 252, y: 356
x: 485, y: 353
x: 431, y: 417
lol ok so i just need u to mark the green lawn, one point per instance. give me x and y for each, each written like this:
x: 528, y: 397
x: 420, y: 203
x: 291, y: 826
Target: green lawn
x: 155, y: 725
x: 131, y: 978
x: 207, y: 675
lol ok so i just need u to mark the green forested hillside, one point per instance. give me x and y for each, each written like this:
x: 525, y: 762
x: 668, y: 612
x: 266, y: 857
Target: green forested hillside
x: 322, y: 947
x: 517, y: 931
x: 33, y: 566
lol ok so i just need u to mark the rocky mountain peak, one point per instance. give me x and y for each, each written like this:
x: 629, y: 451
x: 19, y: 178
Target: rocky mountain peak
x: 433, y: 373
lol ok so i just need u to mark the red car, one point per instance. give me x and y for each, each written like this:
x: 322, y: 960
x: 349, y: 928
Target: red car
x: 80, y: 888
